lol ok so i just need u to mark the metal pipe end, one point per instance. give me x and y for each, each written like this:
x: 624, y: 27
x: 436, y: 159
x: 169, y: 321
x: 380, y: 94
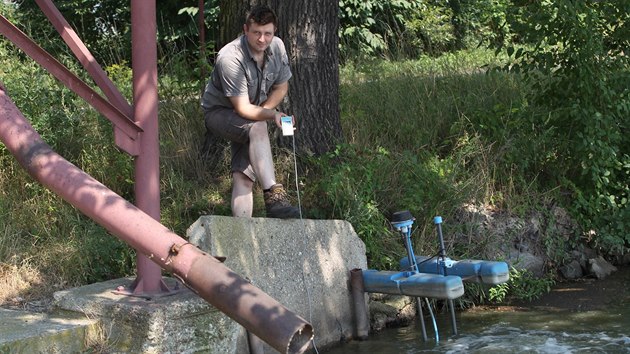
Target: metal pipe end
x: 301, y: 340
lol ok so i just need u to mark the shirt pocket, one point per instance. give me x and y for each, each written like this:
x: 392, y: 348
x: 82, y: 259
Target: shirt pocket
x: 268, y: 82
x: 270, y: 78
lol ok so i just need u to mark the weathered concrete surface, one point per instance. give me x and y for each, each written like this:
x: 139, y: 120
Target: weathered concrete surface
x: 30, y: 332
x: 177, y: 323
x: 304, y: 264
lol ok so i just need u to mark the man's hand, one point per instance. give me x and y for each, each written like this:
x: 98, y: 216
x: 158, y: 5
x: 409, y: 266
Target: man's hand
x: 277, y: 118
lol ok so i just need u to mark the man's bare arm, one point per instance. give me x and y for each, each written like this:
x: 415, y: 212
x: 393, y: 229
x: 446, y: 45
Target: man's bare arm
x: 267, y: 111
x: 245, y: 109
x: 276, y: 95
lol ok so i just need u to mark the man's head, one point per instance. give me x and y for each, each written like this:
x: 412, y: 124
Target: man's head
x: 259, y: 28
x: 261, y: 15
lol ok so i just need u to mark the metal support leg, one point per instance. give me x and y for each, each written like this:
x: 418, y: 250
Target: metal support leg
x: 453, y: 320
x: 442, y: 257
x: 421, y: 314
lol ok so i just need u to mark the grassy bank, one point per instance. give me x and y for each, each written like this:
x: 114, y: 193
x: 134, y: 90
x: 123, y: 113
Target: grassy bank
x: 426, y: 135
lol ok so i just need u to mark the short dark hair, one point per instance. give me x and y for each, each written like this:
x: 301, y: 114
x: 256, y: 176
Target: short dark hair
x: 261, y: 15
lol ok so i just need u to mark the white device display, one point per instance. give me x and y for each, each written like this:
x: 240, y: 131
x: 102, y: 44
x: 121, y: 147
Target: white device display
x: 287, y: 125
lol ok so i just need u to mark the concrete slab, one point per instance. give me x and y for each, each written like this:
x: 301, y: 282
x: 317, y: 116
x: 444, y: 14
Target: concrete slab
x: 304, y: 264
x: 30, y: 332
x: 177, y: 323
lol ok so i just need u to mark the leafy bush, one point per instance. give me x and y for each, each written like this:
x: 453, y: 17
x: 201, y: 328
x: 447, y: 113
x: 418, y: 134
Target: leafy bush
x: 402, y: 29
x: 577, y: 67
x: 523, y: 285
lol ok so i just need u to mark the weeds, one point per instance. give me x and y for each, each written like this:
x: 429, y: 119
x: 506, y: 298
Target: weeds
x: 523, y: 285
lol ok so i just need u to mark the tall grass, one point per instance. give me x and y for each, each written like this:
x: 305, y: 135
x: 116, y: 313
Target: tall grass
x: 423, y: 136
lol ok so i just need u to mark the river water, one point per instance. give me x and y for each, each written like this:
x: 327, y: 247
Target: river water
x: 532, y: 331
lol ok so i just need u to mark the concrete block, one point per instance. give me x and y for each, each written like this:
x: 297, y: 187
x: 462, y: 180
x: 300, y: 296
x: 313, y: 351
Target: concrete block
x: 31, y: 332
x: 181, y: 322
x: 304, y: 264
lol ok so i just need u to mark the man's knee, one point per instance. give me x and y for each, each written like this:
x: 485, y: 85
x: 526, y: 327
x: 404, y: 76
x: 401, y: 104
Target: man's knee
x: 241, y: 181
x: 258, y: 129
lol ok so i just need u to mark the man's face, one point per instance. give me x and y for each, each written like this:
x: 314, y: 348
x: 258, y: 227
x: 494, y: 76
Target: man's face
x: 259, y: 36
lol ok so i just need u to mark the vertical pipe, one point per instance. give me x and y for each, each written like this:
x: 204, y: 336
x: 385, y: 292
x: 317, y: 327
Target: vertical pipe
x: 442, y: 256
x: 406, y: 231
x: 145, y: 109
x: 423, y: 327
x: 358, y: 300
x: 412, y: 257
x: 202, y: 40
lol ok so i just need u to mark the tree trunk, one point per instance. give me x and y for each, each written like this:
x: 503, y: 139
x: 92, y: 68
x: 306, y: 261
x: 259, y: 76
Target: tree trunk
x: 458, y: 26
x: 309, y: 31
x: 231, y: 19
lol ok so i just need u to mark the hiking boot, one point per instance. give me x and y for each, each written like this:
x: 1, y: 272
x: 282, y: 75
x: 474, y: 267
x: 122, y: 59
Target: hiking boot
x: 277, y: 204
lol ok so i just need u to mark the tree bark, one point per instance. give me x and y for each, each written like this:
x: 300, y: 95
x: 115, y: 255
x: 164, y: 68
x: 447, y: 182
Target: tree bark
x: 231, y: 19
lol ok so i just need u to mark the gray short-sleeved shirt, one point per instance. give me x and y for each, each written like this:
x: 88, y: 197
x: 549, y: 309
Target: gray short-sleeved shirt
x: 236, y: 73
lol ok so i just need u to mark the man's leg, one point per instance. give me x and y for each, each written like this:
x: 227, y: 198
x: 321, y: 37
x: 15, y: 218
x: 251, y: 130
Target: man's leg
x: 276, y: 200
x: 242, y: 196
x: 260, y: 155
x: 254, y: 163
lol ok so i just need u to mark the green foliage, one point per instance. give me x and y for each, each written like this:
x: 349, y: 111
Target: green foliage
x: 577, y: 67
x: 105, y: 26
x: 420, y: 151
x: 440, y: 96
x: 429, y: 30
x: 480, y: 21
x: 398, y: 29
x: 7, y: 9
x: 49, y: 233
x: 352, y: 191
x: 366, y: 185
x: 394, y: 29
x: 523, y: 285
x: 358, y: 30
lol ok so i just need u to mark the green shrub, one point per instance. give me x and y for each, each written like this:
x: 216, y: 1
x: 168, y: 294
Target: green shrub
x: 523, y: 285
x: 578, y: 71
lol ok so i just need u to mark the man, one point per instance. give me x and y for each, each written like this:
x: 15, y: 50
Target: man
x: 249, y: 80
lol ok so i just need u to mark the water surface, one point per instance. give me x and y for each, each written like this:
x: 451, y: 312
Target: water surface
x: 600, y: 331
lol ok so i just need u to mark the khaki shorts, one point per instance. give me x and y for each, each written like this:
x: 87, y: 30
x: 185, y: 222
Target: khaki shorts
x: 226, y: 123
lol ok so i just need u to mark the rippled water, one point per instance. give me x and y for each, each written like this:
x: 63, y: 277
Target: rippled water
x: 605, y: 331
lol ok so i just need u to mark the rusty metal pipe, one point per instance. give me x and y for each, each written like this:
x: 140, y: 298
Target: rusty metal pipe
x: 362, y: 321
x: 213, y: 281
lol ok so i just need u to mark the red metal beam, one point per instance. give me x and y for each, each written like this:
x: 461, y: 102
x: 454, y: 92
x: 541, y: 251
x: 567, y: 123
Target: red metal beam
x: 122, y: 123
x: 201, y: 23
x: 84, y: 56
x: 227, y: 291
x: 145, y: 104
